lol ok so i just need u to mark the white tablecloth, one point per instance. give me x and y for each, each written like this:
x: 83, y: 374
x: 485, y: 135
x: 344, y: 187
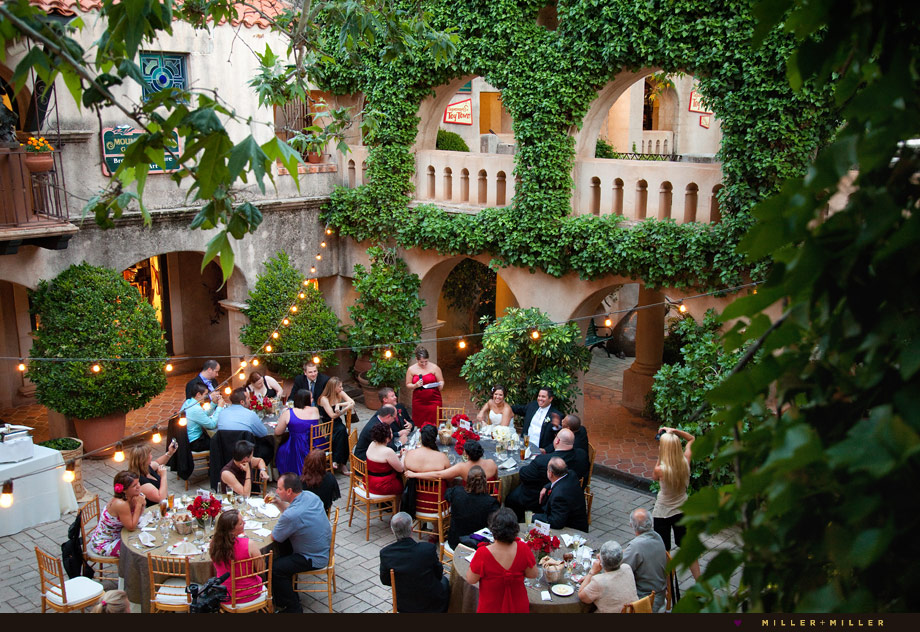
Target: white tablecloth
x: 38, y: 498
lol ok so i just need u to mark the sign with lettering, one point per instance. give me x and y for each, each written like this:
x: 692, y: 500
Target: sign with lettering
x: 706, y: 120
x: 696, y: 103
x: 115, y: 141
x: 459, y: 113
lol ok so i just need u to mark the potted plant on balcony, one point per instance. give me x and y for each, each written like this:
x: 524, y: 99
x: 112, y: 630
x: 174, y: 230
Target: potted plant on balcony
x: 93, y: 315
x: 38, y: 155
x: 310, y: 142
x: 386, y: 320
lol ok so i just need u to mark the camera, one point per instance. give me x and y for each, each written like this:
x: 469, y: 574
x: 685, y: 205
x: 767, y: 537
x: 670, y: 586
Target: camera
x: 658, y: 435
x: 207, y: 597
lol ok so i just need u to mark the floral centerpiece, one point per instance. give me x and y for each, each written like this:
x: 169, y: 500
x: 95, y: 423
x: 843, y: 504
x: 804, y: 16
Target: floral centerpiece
x: 202, y: 508
x: 261, y: 405
x: 461, y: 436
x: 541, y: 544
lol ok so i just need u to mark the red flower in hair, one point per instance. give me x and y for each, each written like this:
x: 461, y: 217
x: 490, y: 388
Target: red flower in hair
x: 119, y: 488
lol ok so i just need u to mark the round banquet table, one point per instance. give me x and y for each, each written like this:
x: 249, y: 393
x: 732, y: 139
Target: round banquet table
x: 133, y: 560
x: 464, y: 597
x: 510, y: 477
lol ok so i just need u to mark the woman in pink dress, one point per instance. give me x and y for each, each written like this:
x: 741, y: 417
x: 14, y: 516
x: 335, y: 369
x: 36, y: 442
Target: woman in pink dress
x: 122, y: 512
x: 227, y: 547
x: 501, y: 567
x: 425, y: 380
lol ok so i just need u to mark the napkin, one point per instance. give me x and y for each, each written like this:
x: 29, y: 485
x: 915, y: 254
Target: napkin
x: 527, y: 454
x: 507, y: 464
x: 147, y: 539
x: 252, y: 524
x: 270, y: 510
x: 185, y: 548
x: 262, y: 533
x: 485, y: 431
x: 255, y: 502
x: 144, y: 520
x: 545, y: 596
x: 149, y: 529
x: 567, y: 539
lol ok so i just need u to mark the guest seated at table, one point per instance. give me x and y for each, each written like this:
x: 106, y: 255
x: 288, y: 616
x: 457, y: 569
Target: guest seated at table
x: 420, y: 582
x: 113, y: 602
x: 151, y: 472
x: 334, y: 404
x: 496, y: 411
x: 573, y: 423
x: 297, y: 422
x: 238, y: 417
x: 470, y: 508
x: 237, y: 475
x: 473, y: 450
x: 562, y: 500
x: 122, y: 511
x: 315, y: 478
x: 383, y: 464
x: 200, y: 415
x: 427, y: 457
x: 262, y: 386
x: 500, y: 568
x: 228, y: 546
x: 388, y: 416
x: 615, y: 587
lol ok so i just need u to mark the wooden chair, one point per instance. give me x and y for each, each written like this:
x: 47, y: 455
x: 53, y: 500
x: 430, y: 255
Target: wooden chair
x: 352, y: 442
x: 589, y: 500
x: 393, y: 588
x: 321, y: 439
x: 367, y: 503
x: 242, y: 569
x: 446, y: 414
x: 592, y: 451
x: 640, y: 606
x: 89, y: 518
x: 430, y: 506
x: 320, y: 579
x: 495, y: 489
x: 201, y: 462
x: 64, y: 595
x: 169, y: 577
x: 672, y: 587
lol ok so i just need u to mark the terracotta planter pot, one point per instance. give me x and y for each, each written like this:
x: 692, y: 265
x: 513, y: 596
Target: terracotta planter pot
x: 362, y: 364
x: 100, y: 431
x: 38, y: 163
x: 314, y: 157
x: 77, y: 483
x: 370, y: 393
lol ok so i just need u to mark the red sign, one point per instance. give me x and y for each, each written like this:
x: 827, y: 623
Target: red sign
x: 459, y: 113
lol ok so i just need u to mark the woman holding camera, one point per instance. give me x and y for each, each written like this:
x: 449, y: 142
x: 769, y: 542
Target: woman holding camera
x: 673, y: 472
x: 228, y: 547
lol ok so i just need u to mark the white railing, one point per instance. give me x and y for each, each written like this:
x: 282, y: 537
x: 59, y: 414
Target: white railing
x: 353, y: 166
x: 464, y: 179
x: 656, y: 142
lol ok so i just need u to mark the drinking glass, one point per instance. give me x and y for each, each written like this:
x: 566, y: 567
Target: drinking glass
x: 199, y: 535
x: 164, y: 529
x: 526, y: 441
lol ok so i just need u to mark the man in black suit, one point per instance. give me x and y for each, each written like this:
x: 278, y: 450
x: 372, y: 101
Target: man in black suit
x: 573, y: 423
x: 537, y: 422
x: 386, y: 415
x: 420, y: 582
x: 526, y: 496
x: 388, y: 397
x: 312, y: 380
x: 208, y: 377
x: 562, y: 499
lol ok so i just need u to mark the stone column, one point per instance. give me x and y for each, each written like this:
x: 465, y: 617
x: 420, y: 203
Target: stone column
x: 235, y: 321
x: 638, y: 378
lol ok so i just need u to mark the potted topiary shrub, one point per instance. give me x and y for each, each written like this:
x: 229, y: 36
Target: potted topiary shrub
x: 92, y: 315
x: 385, y: 314
x: 70, y: 449
x: 313, y: 330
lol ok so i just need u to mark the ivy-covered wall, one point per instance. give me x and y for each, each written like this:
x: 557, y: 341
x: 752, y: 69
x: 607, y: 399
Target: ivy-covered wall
x: 548, y: 80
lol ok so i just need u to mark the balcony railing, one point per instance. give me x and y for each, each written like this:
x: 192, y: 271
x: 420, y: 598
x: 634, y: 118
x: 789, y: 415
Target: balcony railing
x: 27, y: 198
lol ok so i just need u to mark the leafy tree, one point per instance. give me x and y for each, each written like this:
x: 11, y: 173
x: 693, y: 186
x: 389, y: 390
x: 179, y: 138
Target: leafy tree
x: 823, y: 498
x: 313, y: 330
x: 512, y: 357
x: 91, y: 312
x: 386, y: 316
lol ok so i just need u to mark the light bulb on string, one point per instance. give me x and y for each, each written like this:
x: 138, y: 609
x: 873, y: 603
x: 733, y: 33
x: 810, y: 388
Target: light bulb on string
x: 119, y: 455
x: 168, y: 367
x: 243, y: 363
x: 21, y: 366
x: 268, y: 348
x: 228, y: 390
x: 182, y: 420
x: 387, y: 354
x: 462, y: 344
x: 302, y: 295
x: 69, y: 474
x: 242, y: 375
x: 306, y: 282
x: 682, y: 308
x: 293, y: 309
x: 755, y: 290
x: 322, y: 244
x: 328, y: 231
x: 312, y: 269
x: 255, y: 362
x: 607, y: 321
x: 319, y: 257
x: 275, y: 335
x: 535, y: 334
x: 285, y: 322
x: 96, y: 368
x: 316, y: 359
x: 6, y: 499
x: 206, y: 405
x: 157, y: 437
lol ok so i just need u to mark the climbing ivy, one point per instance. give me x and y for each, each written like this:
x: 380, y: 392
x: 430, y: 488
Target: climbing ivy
x: 548, y: 80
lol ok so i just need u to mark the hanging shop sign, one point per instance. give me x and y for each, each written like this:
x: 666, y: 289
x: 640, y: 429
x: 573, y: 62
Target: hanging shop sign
x: 115, y: 141
x: 696, y: 103
x: 459, y: 113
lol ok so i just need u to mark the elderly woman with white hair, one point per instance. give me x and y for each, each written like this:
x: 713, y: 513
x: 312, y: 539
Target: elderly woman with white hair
x: 613, y: 588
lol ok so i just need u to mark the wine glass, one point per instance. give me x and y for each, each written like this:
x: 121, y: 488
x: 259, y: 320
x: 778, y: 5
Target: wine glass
x: 164, y: 529
x: 199, y: 535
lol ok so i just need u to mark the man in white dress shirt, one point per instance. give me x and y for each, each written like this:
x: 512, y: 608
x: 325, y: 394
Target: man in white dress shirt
x: 537, y: 423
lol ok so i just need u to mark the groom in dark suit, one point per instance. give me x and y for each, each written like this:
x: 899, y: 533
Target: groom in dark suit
x: 526, y: 496
x: 312, y: 380
x: 562, y: 499
x: 538, y: 416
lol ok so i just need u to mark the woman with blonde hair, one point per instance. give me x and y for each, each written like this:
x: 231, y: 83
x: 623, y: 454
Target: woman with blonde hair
x: 673, y: 472
x: 334, y: 403
x: 151, y: 472
x: 113, y: 602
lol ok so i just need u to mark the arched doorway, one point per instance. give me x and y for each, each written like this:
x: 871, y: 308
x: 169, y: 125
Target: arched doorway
x: 16, y: 327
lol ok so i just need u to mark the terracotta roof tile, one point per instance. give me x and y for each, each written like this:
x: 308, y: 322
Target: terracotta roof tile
x: 247, y: 16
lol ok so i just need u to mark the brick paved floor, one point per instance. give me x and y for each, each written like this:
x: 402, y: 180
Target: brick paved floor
x: 357, y: 561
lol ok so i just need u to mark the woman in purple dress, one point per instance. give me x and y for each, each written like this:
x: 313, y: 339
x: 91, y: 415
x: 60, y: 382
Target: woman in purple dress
x: 297, y: 421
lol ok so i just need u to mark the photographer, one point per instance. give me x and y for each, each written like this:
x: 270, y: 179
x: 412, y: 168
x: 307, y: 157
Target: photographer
x: 228, y: 547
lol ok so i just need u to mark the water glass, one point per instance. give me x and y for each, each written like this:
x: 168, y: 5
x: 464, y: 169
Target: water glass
x: 199, y: 535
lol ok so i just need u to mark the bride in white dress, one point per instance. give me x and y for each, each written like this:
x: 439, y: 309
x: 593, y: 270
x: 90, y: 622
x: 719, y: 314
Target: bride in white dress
x: 498, y: 410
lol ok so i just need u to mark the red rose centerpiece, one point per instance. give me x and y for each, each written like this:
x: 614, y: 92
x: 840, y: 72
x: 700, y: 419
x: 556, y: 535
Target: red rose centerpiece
x: 202, y: 508
x: 541, y: 544
x: 461, y: 436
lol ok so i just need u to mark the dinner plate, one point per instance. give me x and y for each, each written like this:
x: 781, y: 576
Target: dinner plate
x: 563, y: 590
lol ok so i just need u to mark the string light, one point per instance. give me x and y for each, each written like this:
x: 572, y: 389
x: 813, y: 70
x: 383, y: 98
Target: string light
x: 301, y: 296
x: 312, y: 269
x: 242, y: 375
x: 319, y: 257
x: 275, y: 335
x: 535, y: 334
x: 462, y: 344
x: 6, y: 499
x: 607, y: 321
x: 285, y: 322
x: 169, y: 367
x: 682, y: 308
x: 322, y: 244
x: 96, y: 368
x: 22, y: 365
x: 183, y: 421
x: 243, y: 363
x: 387, y: 354
x: 268, y: 348
x: 328, y: 231
x: 206, y: 405
x: 69, y: 474
x: 228, y: 390
x: 293, y: 309
x: 119, y: 453
x: 255, y: 362
x: 157, y: 437
x: 306, y: 282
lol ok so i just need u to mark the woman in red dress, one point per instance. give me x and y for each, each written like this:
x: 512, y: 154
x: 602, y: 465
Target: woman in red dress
x: 425, y: 380
x: 383, y: 464
x: 501, y: 567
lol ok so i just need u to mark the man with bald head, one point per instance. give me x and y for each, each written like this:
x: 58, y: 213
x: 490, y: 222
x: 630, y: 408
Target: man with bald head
x: 573, y: 423
x: 647, y: 557
x: 562, y: 499
x: 526, y: 496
